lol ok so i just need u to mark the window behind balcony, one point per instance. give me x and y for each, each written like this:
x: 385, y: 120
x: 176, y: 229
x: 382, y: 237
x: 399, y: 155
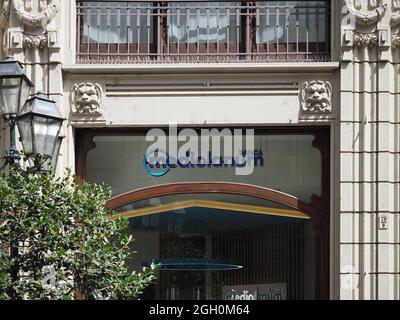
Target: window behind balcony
x: 202, y: 31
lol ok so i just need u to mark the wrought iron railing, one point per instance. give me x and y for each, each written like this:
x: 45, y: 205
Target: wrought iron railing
x: 202, y: 31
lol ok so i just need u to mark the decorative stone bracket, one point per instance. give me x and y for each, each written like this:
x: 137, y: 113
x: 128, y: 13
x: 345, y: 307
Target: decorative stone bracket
x: 316, y: 97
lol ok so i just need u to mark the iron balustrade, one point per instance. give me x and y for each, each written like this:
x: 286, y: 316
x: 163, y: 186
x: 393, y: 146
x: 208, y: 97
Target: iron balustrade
x: 202, y: 31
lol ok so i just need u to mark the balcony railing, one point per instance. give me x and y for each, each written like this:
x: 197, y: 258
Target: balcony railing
x: 202, y: 31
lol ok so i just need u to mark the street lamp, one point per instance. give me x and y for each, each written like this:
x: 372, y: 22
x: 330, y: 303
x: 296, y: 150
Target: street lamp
x: 39, y: 123
x: 38, y: 118
x: 15, y: 87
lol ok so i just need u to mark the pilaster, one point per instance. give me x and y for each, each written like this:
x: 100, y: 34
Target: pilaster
x: 31, y: 32
x: 370, y: 151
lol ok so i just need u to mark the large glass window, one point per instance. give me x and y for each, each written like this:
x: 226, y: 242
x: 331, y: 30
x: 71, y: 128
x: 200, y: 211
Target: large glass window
x: 225, y: 247
x: 229, y: 243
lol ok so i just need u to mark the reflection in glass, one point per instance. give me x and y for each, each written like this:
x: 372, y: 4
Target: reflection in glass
x: 192, y: 22
x: 208, y: 253
x: 291, y: 165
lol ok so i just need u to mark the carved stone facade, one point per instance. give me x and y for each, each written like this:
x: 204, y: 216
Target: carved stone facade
x: 370, y: 150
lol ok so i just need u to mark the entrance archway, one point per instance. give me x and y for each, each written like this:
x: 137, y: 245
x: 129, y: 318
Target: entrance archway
x: 318, y: 216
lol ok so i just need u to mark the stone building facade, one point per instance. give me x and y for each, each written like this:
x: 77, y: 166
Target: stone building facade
x: 353, y: 92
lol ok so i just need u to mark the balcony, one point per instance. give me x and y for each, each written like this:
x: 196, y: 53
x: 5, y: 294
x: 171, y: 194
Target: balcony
x: 139, y: 32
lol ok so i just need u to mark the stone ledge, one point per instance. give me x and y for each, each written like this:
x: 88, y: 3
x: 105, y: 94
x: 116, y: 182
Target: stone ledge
x: 221, y: 68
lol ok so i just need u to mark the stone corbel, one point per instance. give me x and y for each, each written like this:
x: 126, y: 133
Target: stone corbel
x: 367, y: 18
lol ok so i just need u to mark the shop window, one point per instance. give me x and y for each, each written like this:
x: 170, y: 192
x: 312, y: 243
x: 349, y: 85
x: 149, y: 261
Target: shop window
x: 218, y: 235
x: 225, y: 247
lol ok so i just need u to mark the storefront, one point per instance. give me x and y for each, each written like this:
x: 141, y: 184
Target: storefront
x: 217, y: 234
x: 319, y: 79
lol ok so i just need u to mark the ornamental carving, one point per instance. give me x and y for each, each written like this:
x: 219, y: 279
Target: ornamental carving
x: 396, y: 41
x: 316, y: 97
x: 86, y: 98
x: 4, y: 14
x: 48, y: 10
x: 395, y: 18
x: 366, y: 18
x: 32, y: 41
x: 365, y: 39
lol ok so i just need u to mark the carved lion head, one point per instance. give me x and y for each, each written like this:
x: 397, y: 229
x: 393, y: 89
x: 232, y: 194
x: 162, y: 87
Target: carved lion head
x: 316, y: 96
x: 87, y: 98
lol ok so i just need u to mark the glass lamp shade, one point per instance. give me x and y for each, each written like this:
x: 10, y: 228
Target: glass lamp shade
x: 39, y: 124
x: 56, y: 153
x: 14, y: 87
x: 52, y: 163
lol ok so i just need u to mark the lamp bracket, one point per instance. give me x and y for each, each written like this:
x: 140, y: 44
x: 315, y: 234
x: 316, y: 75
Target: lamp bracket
x: 12, y: 158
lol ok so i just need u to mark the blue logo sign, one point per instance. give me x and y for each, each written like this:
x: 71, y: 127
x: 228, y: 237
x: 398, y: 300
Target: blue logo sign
x: 157, y: 166
x: 157, y: 162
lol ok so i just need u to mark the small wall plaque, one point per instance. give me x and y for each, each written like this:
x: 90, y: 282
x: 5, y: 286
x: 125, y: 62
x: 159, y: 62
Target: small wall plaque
x: 383, y: 222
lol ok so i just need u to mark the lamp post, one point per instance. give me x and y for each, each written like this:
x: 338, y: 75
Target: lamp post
x: 15, y: 87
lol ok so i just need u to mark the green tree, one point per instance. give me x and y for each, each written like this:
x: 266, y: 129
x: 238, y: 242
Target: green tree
x: 58, y: 241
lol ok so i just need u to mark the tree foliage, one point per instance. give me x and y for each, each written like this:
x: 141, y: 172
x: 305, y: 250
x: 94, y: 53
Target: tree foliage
x: 58, y: 241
